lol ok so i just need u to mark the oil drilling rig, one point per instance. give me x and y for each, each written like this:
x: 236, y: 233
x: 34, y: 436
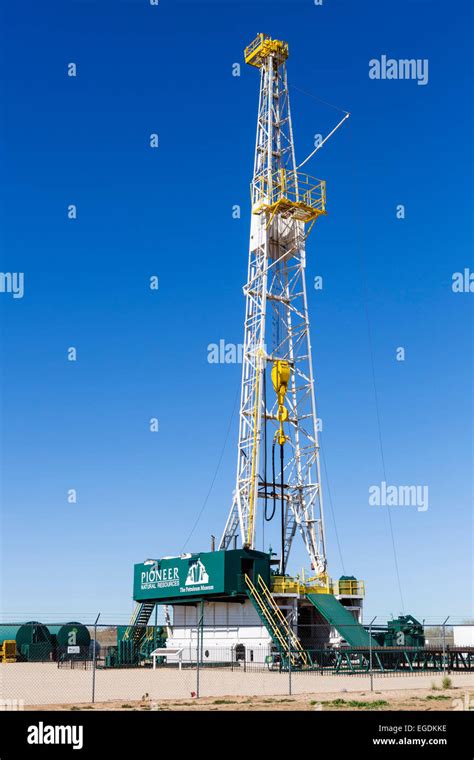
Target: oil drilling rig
x: 241, y: 596
x: 239, y: 603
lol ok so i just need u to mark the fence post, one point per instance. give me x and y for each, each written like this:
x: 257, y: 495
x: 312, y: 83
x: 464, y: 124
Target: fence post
x: 370, y: 654
x: 444, y: 644
x: 94, y: 657
x: 198, y: 646
x: 290, y: 622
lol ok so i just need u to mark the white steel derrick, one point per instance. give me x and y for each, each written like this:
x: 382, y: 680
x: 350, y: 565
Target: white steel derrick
x: 277, y: 328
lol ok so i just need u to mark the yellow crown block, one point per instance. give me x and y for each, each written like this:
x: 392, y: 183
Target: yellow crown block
x: 262, y: 47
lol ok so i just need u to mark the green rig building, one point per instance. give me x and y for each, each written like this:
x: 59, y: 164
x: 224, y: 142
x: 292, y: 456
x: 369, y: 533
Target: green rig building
x: 239, y: 608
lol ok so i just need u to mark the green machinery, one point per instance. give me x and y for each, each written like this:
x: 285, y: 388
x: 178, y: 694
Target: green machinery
x: 392, y: 660
x: 404, y: 631
x: 8, y: 651
x: 134, y: 645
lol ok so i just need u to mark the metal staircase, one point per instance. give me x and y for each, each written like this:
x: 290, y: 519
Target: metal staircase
x: 277, y: 625
x: 139, y: 620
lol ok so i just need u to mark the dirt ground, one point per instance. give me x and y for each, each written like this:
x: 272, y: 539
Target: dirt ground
x: 423, y: 700
x: 45, y: 686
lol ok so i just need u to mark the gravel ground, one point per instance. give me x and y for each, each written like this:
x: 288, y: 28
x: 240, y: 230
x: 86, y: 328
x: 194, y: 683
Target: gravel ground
x: 44, y: 684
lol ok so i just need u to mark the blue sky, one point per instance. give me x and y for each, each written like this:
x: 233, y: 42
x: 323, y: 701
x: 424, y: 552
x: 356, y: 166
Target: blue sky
x: 168, y: 212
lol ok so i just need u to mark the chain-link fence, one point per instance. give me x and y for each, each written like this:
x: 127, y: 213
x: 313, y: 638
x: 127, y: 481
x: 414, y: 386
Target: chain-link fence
x: 76, y: 665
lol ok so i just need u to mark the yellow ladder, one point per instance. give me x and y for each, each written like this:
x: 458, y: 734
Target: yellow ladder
x: 275, y: 618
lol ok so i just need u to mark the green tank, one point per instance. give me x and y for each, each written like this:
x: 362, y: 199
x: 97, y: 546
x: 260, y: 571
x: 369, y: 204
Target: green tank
x: 8, y: 632
x: 71, y: 640
x: 33, y: 640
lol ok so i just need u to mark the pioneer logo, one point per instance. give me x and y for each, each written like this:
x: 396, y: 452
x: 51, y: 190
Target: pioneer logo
x: 45, y: 734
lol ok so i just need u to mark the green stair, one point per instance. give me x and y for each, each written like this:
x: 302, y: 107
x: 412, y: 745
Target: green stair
x: 342, y: 620
x: 141, y: 616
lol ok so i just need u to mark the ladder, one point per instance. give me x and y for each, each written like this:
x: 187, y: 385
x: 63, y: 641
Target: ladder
x: 276, y: 623
x: 141, y: 616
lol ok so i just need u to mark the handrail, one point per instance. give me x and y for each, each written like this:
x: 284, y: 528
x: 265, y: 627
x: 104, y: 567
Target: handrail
x: 132, y: 623
x: 348, y: 587
x: 285, y: 642
x: 288, y: 188
x: 254, y: 44
x: 282, y: 584
x: 277, y: 633
x: 283, y: 619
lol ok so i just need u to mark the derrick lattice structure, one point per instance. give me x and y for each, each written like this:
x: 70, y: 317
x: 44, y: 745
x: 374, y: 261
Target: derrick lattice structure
x: 285, y: 205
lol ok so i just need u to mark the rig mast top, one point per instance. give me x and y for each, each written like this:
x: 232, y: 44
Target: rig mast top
x: 262, y: 47
x: 277, y: 187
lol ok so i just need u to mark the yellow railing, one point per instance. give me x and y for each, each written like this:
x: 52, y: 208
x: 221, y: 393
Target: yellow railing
x: 285, y: 585
x: 275, y: 618
x: 263, y: 46
x: 290, y: 192
x: 348, y: 588
x: 295, y: 642
x: 250, y: 49
x: 267, y: 615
